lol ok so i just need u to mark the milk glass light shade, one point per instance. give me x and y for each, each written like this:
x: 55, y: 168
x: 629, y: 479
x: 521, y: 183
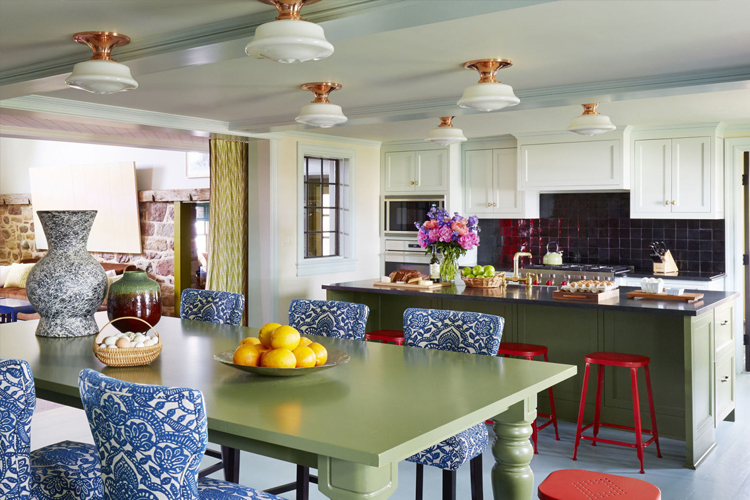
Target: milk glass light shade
x: 101, y: 77
x: 445, y: 134
x: 321, y: 113
x: 289, y: 41
x: 591, y: 122
x: 488, y: 94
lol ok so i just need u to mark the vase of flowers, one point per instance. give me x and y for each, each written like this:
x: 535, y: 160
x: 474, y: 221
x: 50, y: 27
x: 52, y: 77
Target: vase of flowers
x: 449, y: 236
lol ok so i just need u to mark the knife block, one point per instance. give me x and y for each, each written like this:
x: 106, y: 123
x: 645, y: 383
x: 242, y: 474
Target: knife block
x: 668, y: 267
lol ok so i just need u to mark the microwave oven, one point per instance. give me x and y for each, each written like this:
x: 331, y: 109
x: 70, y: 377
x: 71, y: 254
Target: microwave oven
x: 401, y: 213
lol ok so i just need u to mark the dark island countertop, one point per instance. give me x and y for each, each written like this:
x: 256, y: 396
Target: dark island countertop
x: 542, y: 296
x: 688, y: 276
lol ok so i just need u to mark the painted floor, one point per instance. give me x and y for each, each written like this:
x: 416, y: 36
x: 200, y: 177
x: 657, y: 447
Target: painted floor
x: 725, y: 475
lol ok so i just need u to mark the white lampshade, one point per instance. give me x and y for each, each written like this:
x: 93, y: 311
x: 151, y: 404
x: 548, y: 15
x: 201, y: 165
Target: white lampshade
x: 591, y: 122
x: 101, y: 77
x: 289, y: 41
x: 319, y: 114
x: 488, y: 97
x: 446, y: 134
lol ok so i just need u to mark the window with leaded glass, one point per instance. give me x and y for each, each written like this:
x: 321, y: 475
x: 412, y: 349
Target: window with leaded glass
x: 322, y: 189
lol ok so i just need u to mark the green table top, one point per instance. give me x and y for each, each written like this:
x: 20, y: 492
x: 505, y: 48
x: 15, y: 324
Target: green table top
x: 386, y: 404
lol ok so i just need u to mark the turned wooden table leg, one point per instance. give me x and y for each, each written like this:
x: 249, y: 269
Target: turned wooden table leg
x: 512, y: 478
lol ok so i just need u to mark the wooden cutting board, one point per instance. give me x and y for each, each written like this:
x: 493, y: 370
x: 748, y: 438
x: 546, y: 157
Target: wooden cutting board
x: 685, y: 297
x: 586, y: 297
x: 406, y: 286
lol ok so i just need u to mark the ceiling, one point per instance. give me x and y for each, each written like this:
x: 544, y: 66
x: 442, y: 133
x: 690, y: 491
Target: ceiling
x: 649, y: 62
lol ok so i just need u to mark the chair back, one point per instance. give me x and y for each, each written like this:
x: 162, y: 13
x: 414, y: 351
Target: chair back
x: 329, y: 318
x: 150, y: 438
x: 17, y: 403
x: 212, y: 306
x: 459, y: 331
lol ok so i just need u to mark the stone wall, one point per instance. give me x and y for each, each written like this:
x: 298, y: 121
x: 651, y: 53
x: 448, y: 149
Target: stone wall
x: 17, y: 241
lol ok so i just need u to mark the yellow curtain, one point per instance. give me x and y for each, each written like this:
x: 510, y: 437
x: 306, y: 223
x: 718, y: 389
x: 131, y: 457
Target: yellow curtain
x: 227, y: 229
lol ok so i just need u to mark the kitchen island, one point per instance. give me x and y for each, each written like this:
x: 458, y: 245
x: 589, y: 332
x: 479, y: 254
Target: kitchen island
x: 691, y: 347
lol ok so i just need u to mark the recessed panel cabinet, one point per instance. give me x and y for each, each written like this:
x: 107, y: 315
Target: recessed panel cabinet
x: 491, y: 185
x: 416, y: 172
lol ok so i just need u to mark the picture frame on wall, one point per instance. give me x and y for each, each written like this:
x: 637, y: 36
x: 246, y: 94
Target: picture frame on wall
x: 198, y: 164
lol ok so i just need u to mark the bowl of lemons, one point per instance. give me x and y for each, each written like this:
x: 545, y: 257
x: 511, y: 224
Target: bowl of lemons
x: 280, y: 351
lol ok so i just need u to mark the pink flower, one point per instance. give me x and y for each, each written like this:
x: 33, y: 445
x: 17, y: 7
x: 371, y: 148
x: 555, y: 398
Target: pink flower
x: 468, y: 241
x: 445, y: 233
x: 460, y: 227
x: 434, y: 235
x: 423, y: 239
x: 431, y: 224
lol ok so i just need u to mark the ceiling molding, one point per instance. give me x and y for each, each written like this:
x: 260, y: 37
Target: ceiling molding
x: 330, y: 138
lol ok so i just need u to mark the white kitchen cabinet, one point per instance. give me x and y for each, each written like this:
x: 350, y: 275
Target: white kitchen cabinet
x: 416, y: 171
x: 652, y: 179
x: 691, y: 175
x: 491, y: 186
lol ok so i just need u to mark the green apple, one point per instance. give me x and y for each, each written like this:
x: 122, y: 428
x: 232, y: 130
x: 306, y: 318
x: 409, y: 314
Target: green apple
x: 489, y: 271
x: 466, y: 271
x: 478, y: 271
x: 470, y: 276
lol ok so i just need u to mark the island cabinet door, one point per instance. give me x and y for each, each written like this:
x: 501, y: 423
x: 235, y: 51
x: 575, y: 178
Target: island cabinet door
x: 699, y: 388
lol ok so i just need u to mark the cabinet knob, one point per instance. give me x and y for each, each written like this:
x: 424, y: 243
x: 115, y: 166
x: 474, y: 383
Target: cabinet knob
x: 724, y: 323
x: 489, y: 204
x: 494, y: 204
x: 666, y: 202
x: 725, y: 379
x: 674, y: 202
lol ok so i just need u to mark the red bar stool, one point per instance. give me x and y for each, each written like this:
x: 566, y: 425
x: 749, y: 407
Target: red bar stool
x: 573, y: 484
x: 530, y: 351
x: 632, y: 361
x: 387, y: 336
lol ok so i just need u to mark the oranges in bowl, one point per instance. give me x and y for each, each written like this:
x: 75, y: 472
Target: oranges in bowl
x: 279, y: 346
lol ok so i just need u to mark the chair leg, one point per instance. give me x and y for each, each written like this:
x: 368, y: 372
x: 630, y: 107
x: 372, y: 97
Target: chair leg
x: 637, y: 416
x: 231, y: 459
x: 420, y: 481
x: 449, y: 485
x: 303, y: 482
x: 651, y: 409
x: 581, y: 408
x: 477, y: 488
x: 553, y: 413
x: 597, y: 409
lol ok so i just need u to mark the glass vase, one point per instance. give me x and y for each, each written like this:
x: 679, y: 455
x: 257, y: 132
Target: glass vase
x: 449, y: 267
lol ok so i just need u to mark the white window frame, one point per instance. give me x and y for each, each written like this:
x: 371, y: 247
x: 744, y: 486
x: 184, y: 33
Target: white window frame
x: 346, y: 262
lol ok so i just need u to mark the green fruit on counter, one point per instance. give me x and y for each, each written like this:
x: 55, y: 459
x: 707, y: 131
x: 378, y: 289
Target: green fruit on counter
x: 489, y: 271
x: 477, y: 270
x: 466, y: 271
x: 470, y: 276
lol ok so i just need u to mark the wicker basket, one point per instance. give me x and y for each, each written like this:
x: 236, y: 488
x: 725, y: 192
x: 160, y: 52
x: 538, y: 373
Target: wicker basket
x: 122, y: 357
x: 485, y: 282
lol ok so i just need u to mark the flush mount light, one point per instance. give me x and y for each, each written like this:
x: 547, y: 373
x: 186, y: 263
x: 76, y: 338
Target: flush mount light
x: 488, y: 94
x: 445, y: 134
x: 101, y: 74
x: 321, y: 113
x: 591, y: 122
x: 289, y: 39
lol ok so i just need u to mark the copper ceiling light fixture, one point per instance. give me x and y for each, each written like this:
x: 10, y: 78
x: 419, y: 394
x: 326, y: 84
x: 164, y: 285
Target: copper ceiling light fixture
x: 101, y: 74
x: 445, y: 134
x: 489, y: 94
x: 591, y: 122
x: 321, y: 113
x: 289, y: 39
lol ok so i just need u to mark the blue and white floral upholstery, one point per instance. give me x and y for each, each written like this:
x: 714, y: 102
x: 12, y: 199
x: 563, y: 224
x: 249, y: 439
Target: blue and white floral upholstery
x: 329, y: 318
x: 64, y: 471
x: 458, y: 331
x: 212, y: 306
x: 151, y: 440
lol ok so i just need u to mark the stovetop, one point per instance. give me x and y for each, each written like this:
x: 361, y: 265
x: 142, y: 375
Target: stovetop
x: 584, y: 268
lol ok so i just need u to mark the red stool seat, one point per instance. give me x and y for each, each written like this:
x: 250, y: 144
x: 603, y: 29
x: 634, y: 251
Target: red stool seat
x: 525, y: 350
x: 618, y: 359
x: 387, y: 336
x: 587, y: 485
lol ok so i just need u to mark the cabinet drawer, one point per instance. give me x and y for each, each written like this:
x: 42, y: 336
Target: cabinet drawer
x: 724, y: 386
x: 724, y: 328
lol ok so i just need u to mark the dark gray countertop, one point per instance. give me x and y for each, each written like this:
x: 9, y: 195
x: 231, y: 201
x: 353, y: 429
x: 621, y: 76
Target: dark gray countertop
x: 542, y: 295
x: 682, y: 276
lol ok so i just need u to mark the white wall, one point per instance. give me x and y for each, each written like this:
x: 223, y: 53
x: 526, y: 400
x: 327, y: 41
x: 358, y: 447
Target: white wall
x: 155, y: 168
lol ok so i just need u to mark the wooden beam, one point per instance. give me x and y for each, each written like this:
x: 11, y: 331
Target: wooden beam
x: 174, y: 195
x: 15, y: 199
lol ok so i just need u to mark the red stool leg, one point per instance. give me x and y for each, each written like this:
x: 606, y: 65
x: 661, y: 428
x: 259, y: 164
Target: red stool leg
x: 651, y: 409
x: 582, y: 407
x: 637, y: 416
x: 552, y: 406
x: 597, y: 409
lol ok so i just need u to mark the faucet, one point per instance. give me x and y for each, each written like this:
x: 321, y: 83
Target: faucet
x: 516, y: 258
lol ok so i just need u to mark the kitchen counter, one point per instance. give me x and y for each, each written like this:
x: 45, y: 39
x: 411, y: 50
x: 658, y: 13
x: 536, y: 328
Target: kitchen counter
x: 687, y: 276
x: 542, y: 295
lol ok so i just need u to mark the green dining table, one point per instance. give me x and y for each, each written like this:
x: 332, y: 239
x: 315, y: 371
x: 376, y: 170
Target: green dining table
x: 354, y: 422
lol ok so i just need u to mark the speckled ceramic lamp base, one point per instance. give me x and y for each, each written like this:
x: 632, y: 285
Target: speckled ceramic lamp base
x: 68, y: 285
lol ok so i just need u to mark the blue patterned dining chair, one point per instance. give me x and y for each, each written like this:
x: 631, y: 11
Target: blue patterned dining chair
x: 458, y: 331
x: 212, y: 306
x: 66, y: 470
x: 151, y: 441
x: 222, y: 308
x: 329, y: 318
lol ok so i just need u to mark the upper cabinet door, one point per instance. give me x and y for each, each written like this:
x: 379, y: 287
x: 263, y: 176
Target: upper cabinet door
x: 691, y: 175
x: 479, y: 188
x: 432, y: 171
x: 400, y: 172
x: 571, y: 165
x: 508, y: 200
x: 652, y: 179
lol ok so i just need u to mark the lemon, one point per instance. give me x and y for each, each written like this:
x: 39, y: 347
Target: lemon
x: 321, y: 354
x: 285, y: 337
x: 279, y: 358
x: 250, y: 340
x: 304, y: 341
x: 265, y: 333
x: 247, y: 355
x: 306, y: 357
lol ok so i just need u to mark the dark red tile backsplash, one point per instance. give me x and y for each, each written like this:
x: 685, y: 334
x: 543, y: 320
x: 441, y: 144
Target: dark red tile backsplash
x: 596, y: 228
